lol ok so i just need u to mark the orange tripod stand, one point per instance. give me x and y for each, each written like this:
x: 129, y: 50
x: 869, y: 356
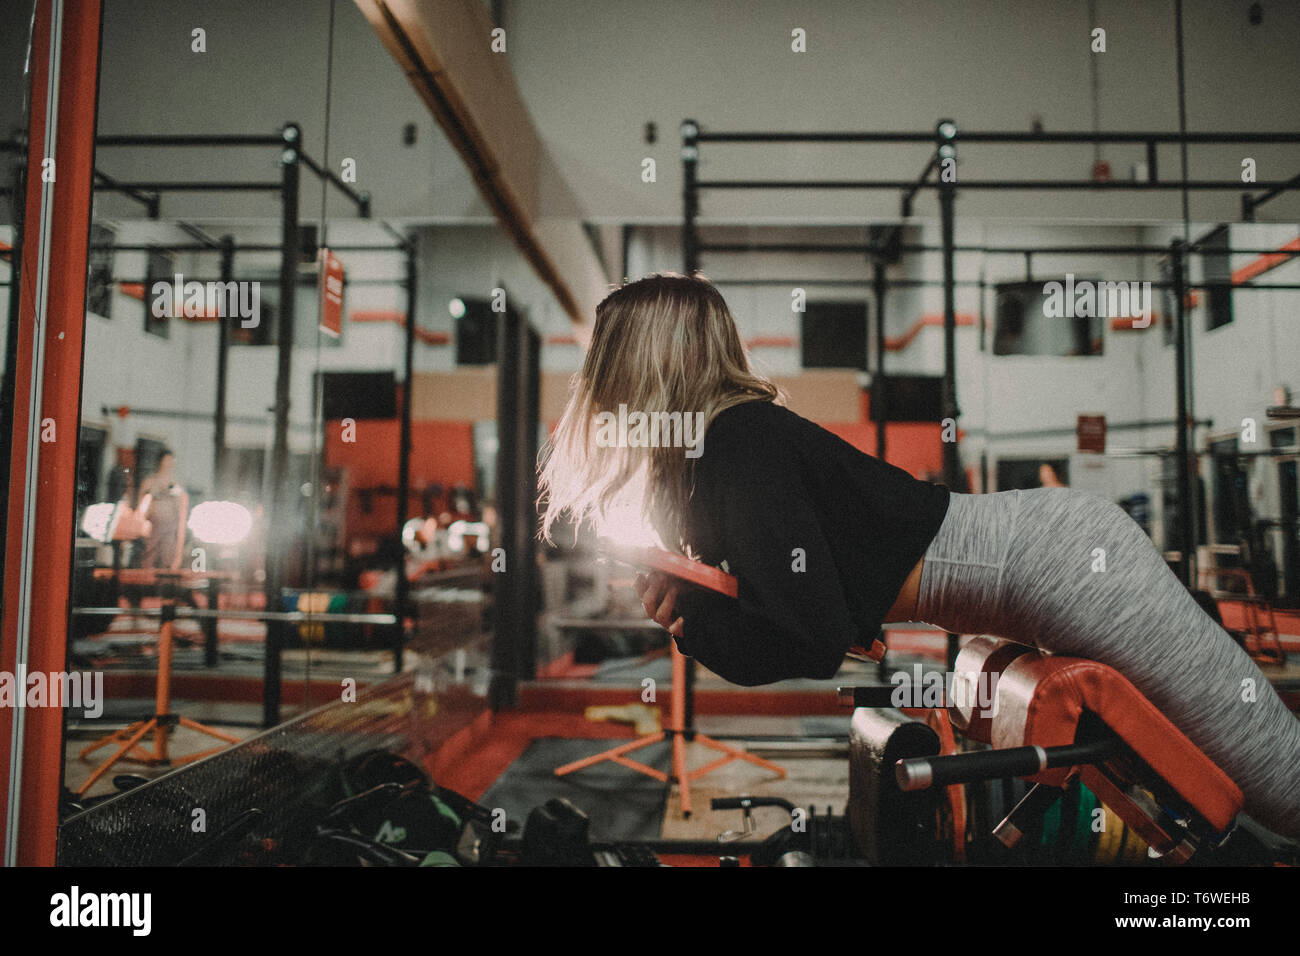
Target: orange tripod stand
x: 679, y: 733
x: 160, y: 723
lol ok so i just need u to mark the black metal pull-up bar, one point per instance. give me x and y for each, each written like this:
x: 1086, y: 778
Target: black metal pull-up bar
x: 793, y: 281
x: 858, y: 248
x: 1009, y: 136
x: 1055, y: 185
x: 137, y: 190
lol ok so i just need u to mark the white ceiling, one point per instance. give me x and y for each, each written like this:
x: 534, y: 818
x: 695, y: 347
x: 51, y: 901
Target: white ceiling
x: 593, y: 72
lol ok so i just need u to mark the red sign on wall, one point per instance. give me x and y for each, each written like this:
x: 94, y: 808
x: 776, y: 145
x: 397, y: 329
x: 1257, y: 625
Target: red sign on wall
x: 331, y: 293
x: 1091, y: 432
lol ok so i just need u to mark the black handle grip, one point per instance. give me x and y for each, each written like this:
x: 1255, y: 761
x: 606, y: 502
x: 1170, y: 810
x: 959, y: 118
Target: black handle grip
x: 882, y: 696
x: 741, y: 803
x: 921, y: 773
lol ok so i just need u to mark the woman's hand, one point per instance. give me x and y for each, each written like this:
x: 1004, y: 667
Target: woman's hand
x: 658, y: 594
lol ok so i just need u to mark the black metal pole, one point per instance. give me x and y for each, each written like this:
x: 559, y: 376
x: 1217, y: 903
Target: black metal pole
x: 909, y: 194
x: 1182, y: 450
x: 203, y: 140
x: 1250, y: 203
x: 849, y: 283
x: 994, y: 136
x: 974, y: 283
x: 190, y: 186
x: 880, y: 384
x: 952, y: 476
x: 979, y: 185
x: 530, y: 350
x: 1192, y: 513
x: 855, y: 249
x: 223, y: 358
x: 275, y: 247
x: 8, y: 381
x: 690, y: 263
x: 690, y: 196
x: 404, y: 458
x: 1182, y: 117
x: 503, y: 687
x: 278, y: 523
x: 211, y: 645
x: 211, y: 639
x: 150, y: 202
x: 359, y: 199
x: 951, y: 459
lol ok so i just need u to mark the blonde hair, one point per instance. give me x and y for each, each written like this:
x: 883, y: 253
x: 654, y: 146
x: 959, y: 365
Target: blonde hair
x: 663, y: 343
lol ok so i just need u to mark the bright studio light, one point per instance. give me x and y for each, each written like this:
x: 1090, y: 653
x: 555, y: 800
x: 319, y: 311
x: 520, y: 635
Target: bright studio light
x: 220, y: 522
x: 628, y: 532
x: 95, y: 522
x: 457, y: 531
x: 409, y: 532
x: 623, y: 524
x: 456, y: 307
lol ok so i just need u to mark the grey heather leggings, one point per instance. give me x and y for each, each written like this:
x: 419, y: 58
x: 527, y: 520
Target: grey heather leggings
x: 1020, y: 565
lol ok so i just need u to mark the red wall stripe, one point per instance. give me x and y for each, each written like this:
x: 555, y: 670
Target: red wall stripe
x: 1266, y: 262
x: 427, y: 336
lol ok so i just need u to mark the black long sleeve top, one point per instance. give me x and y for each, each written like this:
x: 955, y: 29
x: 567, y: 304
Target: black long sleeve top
x: 820, y: 536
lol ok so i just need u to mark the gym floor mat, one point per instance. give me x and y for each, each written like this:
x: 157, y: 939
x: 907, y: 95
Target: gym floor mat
x: 810, y: 781
x: 621, y: 803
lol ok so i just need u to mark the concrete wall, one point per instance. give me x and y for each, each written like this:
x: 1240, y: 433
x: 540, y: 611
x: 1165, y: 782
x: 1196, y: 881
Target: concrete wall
x: 593, y: 72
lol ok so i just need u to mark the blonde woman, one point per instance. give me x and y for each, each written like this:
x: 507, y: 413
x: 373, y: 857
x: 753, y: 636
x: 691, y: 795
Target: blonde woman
x: 827, y: 543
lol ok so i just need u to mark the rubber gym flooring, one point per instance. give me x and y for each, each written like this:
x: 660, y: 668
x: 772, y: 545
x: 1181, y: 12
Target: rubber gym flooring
x: 625, y: 805
x: 508, y: 759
